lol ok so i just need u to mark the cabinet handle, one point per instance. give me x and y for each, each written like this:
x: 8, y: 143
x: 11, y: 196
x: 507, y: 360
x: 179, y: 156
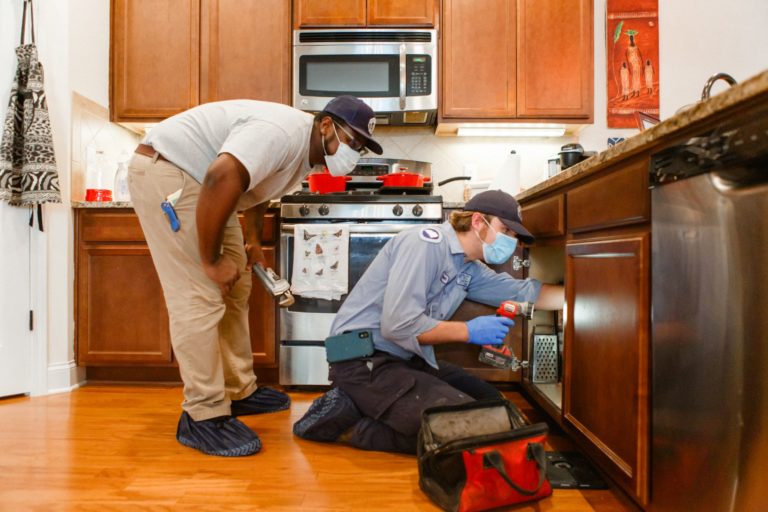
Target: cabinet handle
x: 518, y: 263
x: 402, y: 76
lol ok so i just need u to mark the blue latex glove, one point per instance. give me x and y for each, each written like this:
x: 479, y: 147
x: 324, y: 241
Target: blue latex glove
x: 488, y: 330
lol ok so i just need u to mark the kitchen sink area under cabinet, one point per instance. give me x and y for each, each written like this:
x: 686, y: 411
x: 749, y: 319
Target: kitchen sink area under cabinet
x: 166, y: 57
x: 542, y: 342
x: 361, y: 13
x: 121, y: 322
x: 504, y: 60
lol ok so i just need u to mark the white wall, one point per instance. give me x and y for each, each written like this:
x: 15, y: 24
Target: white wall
x: 697, y: 38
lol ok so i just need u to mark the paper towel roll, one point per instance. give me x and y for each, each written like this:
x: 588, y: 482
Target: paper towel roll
x: 508, y: 176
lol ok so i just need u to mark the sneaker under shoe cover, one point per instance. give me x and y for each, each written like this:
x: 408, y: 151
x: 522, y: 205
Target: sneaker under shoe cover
x: 328, y: 417
x: 262, y: 400
x: 224, y: 436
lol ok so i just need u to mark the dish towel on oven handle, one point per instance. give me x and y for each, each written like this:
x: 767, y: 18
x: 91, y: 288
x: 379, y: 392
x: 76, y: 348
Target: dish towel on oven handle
x: 320, y: 261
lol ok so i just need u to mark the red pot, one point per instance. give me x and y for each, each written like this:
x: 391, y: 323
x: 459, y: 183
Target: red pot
x: 403, y: 179
x: 325, y: 182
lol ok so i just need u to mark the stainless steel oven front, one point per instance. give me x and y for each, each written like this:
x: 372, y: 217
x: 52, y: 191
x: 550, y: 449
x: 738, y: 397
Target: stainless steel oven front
x: 393, y: 70
x: 305, y: 325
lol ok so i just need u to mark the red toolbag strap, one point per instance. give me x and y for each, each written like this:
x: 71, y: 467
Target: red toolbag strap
x: 535, y: 451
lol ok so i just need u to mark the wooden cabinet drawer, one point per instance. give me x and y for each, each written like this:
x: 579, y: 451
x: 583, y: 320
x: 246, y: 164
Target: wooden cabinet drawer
x: 546, y: 217
x: 110, y: 226
x: 620, y: 198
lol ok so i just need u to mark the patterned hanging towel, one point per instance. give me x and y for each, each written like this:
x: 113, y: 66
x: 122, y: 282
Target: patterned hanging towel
x: 28, y: 173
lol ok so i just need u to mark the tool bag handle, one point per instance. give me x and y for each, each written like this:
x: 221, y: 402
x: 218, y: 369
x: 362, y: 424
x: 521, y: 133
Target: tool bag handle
x: 24, y: 21
x: 535, y: 451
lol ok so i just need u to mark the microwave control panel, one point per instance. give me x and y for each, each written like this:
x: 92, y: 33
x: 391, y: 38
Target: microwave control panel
x: 418, y: 69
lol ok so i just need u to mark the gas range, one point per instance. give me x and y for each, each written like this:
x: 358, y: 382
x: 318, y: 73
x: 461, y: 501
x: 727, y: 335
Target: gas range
x: 414, y: 205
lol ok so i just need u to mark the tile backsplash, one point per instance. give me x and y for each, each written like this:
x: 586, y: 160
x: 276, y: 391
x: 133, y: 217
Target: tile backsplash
x: 451, y: 155
x: 91, y: 127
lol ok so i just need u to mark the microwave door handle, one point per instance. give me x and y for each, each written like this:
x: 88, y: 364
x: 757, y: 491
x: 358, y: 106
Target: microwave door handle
x: 402, y: 76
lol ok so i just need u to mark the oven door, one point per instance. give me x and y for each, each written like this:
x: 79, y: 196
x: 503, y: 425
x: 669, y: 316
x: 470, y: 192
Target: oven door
x: 305, y: 325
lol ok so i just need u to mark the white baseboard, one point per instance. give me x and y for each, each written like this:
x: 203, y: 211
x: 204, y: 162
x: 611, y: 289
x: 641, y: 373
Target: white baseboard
x: 64, y: 377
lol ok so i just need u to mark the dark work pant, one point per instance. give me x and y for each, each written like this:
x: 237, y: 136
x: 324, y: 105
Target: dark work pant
x: 393, y: 393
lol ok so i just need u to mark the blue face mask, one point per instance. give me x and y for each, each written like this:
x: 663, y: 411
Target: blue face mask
x: 502, y: 248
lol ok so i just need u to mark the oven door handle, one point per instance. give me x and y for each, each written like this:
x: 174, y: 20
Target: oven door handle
x: 402, y: 76
x: 287, y: 229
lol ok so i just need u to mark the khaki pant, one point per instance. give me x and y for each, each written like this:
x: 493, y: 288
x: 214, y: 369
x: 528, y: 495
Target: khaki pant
x: 209, y: 333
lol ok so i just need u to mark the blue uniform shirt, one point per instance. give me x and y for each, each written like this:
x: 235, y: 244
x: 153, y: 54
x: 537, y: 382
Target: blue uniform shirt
x: 417, y: 280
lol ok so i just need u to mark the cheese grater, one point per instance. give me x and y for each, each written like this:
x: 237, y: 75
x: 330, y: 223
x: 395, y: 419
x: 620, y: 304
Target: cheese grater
x: 544, y: 357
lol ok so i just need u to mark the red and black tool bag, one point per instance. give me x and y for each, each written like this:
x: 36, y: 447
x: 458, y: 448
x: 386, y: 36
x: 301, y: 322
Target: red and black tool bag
x: 481, y: 455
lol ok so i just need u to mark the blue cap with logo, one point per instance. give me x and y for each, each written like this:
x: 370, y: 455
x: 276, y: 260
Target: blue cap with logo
x: 503, y: 206
x: 358, y: 116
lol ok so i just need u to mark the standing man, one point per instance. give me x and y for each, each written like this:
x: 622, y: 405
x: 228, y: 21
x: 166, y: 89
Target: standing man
x: 404, y: 301
x: 189, y: 177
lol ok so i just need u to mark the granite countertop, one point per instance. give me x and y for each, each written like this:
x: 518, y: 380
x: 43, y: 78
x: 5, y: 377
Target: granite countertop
x: 128, y: 204
x: 745, y: 91
x: 101, y: 204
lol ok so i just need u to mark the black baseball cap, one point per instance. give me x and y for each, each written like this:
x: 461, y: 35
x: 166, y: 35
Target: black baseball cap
x: 358, y: 116
x: 503, y: 206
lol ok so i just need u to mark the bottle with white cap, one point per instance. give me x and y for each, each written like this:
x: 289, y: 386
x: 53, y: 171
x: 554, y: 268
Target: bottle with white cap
x: 508, y: 176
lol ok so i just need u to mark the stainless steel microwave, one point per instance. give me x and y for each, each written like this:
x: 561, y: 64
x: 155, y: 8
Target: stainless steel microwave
x: 394, y: 71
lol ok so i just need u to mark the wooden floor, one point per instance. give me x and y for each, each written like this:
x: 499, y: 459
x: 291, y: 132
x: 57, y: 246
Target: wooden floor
x: 113, y: 448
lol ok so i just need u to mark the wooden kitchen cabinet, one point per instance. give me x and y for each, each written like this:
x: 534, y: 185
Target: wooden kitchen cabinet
x: 319, y: 13
x: 555, y: 59
x: 360, y: 13
x: 594, y: 235
x: 262, y: 307
x: 170, y: 56
x: 121, y: 317
x: 516, y: 59
x: 607, y: 353
x: 478, y: 59
x: 402, y: 12
x: 154, y: 58
x: 245, y: 50
x: 121, y: 322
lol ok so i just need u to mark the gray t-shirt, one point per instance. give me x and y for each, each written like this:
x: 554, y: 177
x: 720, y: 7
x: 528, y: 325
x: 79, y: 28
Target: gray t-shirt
x: 271, y: 140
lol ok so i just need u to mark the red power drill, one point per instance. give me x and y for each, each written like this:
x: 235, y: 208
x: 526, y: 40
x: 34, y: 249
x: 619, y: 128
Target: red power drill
x: 500, y: 356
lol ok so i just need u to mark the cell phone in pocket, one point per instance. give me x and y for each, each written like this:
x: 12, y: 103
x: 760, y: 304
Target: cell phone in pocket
x: 349, y: 345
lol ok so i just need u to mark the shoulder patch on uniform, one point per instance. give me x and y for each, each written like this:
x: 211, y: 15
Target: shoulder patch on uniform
x: 431, y: 235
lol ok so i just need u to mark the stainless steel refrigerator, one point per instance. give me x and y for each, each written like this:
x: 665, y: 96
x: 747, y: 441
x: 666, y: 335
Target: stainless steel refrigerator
x: 710, y: 320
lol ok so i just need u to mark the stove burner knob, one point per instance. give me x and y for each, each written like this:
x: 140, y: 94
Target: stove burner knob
x: 397, y: 210
x: 304, y: 210
x: 324, y: 210
x: 418, y: 210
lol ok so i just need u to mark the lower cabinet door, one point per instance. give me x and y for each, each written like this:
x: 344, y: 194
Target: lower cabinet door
x: 607, y: 354
x: 262, y: 317
x: 122, y: 319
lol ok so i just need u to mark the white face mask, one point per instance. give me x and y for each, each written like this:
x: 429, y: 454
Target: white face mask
x: 344, y: 160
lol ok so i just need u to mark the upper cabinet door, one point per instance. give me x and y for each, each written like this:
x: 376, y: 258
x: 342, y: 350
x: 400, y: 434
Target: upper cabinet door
x: 555, y: 59
x: 318, y: 13
x: 154, y: 60
x: 401, y: 12
x: 478, y: 59
x: 246, y: 53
